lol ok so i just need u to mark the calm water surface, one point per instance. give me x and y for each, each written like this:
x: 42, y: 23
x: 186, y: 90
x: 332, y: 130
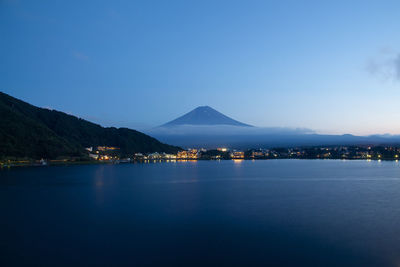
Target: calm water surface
x: 277, y: 212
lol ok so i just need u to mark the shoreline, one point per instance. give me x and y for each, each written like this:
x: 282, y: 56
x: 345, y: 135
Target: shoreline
x: 67, y: 163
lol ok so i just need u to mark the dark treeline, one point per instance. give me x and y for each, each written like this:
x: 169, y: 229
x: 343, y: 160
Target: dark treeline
x: 27, y: 131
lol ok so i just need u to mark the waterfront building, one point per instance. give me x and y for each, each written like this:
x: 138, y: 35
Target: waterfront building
x: 237, y: 154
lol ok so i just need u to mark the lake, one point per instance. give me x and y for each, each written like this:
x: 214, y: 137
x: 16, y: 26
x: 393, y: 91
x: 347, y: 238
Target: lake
x: 276, y: 212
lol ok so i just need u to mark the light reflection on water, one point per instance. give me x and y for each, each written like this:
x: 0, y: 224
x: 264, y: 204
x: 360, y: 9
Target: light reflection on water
x: 275, y: 212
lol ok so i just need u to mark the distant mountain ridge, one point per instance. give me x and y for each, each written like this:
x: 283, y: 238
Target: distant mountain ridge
x: 205, y: 115
x: 254, y: 137
x: 208, y: 128
x: 29, y: 131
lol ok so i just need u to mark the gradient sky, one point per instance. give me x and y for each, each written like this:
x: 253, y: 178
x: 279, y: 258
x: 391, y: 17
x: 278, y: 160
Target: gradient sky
x: 332, y: 67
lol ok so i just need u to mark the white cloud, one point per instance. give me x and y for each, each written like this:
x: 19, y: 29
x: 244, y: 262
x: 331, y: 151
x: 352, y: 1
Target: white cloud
x: 385, y: 65
x: 397, y: 67
x: 80, y: 56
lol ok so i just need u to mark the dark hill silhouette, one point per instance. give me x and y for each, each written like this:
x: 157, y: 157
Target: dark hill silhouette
x: 205, y: 115
x: 29, y: 131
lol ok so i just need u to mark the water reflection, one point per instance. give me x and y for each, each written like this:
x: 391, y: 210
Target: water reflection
x: 99, y: 176
x: 260, y: 211
x: 99, y: 184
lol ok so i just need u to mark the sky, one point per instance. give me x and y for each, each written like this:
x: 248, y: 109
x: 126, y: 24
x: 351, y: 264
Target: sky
x: 331, y: 67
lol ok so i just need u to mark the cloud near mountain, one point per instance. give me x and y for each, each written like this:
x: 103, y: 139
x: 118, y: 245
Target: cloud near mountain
x: 208, y: 128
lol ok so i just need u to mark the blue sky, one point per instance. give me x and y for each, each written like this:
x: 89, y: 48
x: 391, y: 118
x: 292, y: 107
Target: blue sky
x: 332, y: 67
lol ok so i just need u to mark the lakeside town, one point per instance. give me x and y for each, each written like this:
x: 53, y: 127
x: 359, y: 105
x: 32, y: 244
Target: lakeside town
x: 110, y: 154
x: 223, y: 153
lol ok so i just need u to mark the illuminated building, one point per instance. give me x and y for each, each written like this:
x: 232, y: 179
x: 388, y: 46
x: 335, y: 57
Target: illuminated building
x: 93, y: 156
x: 188, y: 154
x: 169, y: 156
x: 106, y: 148
x: 257, y: 154
x: 154, y: 155
x: 237, y: 155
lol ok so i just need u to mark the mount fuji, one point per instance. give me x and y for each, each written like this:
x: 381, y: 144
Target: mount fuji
x: 206, y: 127
x: 204, y: 115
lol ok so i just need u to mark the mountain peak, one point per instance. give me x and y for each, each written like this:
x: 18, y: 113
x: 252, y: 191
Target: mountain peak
x: 205, y: 115
x: 204, y: 107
